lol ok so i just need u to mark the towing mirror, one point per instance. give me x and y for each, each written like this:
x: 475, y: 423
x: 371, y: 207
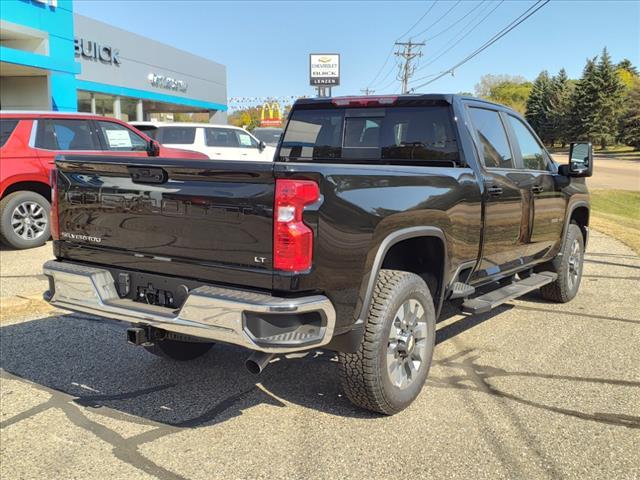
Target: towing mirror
x: 580, y: 160
x: 153, y: 148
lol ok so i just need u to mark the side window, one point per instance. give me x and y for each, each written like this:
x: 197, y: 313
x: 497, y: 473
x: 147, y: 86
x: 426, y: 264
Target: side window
x: 7, y: 126
x: 177, y: 135
x: 119, y: 138
x: 493, y: 137
x: 533, y: 155
x: 62, y: 134
x: 221, y: 137
x: 245, y: 140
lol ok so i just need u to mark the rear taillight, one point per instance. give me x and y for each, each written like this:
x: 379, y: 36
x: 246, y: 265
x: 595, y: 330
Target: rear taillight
x: 55, y: 227
x: 292, y: 239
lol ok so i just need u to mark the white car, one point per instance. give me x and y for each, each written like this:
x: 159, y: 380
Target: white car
x: 223, y: 142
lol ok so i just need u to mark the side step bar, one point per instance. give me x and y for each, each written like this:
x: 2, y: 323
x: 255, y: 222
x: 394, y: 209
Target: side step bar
x: 491, y: 300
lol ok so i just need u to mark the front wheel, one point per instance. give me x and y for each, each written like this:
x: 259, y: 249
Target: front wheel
x: 568, y: 266
x: 392, y: 362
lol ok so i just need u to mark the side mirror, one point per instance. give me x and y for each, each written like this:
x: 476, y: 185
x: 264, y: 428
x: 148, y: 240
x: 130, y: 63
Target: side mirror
x: 580, y: 160
x: 153, y: 148
x: 262, y: 145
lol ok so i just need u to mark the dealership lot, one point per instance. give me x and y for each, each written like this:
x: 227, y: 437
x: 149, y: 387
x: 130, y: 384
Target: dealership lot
x: 532, y: 389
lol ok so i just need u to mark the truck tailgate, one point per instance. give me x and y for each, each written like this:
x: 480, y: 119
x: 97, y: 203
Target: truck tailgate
x: 167, y: 212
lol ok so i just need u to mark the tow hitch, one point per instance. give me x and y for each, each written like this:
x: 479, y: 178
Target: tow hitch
x: 144, y: 335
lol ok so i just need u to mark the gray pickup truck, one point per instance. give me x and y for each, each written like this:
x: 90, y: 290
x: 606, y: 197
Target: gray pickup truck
x: 375, y: 212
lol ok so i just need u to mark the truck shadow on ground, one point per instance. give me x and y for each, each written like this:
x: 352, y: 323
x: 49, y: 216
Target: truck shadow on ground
x: 85, y: 365
x: 88, y: 359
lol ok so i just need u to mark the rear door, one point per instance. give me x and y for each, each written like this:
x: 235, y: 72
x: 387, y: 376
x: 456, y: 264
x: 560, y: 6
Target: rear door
x: 507, y: 197
x: 56, y: 136
x: 538, y: 177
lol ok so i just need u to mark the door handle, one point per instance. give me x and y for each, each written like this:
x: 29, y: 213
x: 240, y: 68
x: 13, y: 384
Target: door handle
x: 537, y: 189
x: 495, y: 191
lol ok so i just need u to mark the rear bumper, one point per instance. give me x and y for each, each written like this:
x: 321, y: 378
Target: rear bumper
x: 252, y: 320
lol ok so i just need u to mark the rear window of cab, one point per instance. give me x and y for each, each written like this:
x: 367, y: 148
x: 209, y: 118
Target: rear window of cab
x: 395, y: 134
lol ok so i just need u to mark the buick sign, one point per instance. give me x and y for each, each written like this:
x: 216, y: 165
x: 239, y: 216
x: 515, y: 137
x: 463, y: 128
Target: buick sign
x: 94, y: 51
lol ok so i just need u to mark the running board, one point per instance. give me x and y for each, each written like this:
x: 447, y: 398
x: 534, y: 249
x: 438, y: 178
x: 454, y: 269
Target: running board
x: 491, y: 300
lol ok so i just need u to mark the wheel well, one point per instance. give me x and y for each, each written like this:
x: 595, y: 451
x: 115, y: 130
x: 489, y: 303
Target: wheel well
x: 423, y: 256
x: 37, y: 187
x: 580, y: 216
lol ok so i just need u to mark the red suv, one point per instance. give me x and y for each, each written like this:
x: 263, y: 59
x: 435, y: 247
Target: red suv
x: 29, y: 142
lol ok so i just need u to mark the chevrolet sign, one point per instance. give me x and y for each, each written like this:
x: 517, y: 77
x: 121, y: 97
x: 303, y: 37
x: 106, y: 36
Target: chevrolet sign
x: 324, y: 69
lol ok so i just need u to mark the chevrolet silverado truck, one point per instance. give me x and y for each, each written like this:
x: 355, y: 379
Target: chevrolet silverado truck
x: 375, y: 212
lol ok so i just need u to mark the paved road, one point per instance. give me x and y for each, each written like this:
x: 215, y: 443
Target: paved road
x: 532, y: 390
x: 611, y: 173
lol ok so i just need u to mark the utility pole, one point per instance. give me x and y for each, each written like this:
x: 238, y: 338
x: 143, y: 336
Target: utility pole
x: 367, y: 91
x: 408, y: 54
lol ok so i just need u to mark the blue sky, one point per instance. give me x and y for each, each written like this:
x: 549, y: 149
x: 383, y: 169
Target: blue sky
x: 265, y: 45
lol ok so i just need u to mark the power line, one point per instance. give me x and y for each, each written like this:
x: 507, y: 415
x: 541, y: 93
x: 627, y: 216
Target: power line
x: 409, y: 54
x: 433, y: 4
x: 537, y: 6
x: 467, y: 31
x: 456, y: 22
x: 367, y: 91
x: 439, y: 19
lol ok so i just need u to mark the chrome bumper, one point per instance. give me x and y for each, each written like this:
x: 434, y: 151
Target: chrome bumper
x: 212, y: 313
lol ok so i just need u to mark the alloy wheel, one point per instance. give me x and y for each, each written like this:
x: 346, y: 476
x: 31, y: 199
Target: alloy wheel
x: 408, y: 343
x: 29, y: 220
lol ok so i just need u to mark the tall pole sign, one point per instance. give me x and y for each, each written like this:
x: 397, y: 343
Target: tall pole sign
x: 324, y: 72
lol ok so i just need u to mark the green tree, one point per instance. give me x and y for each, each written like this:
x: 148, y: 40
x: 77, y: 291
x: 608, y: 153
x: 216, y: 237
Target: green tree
x: 560, y: 108
x: 512, y: 91
x: 538, y: 106
x: 610, y: 101
x: 630, y: 122
x: 584, y: 102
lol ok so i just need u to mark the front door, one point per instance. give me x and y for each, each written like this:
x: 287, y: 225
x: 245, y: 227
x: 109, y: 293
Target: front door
x: 538, y: 178
x: 507, y: 200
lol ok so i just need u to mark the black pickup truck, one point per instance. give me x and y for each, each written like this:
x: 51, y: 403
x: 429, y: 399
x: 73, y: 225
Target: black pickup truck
x: 375, y: 212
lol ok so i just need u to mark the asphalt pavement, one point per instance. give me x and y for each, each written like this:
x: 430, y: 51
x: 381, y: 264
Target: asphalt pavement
x: 530, y: 390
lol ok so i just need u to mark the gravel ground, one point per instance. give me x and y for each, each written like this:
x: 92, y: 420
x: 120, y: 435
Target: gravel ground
x: 530, y: 390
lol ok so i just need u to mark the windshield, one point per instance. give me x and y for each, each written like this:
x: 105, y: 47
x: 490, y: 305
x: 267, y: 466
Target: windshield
x: 270, y: 136
x: 420, y: 134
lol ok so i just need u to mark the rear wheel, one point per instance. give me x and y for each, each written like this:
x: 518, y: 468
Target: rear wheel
x: 391, y: 365
x: 24, y: 220
x: 568, y: 266
x: 177, y: 350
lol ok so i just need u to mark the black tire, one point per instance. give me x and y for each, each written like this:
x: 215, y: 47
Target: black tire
x: 566, y: 286
x: 177, y: 350
x: 365, y: 375
x: 12, y: 207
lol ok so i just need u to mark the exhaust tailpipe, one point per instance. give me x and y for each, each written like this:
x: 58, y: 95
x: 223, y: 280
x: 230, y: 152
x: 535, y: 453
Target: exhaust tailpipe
x: 258, y: 361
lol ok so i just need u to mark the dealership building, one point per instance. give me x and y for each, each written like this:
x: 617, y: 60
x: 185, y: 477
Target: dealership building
x: 53, y: 59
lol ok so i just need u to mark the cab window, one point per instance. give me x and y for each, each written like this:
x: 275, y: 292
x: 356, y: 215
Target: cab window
x: 534, y: 156
x: 65, y: 134
x: 119, y: 138
x: 493, y: 137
